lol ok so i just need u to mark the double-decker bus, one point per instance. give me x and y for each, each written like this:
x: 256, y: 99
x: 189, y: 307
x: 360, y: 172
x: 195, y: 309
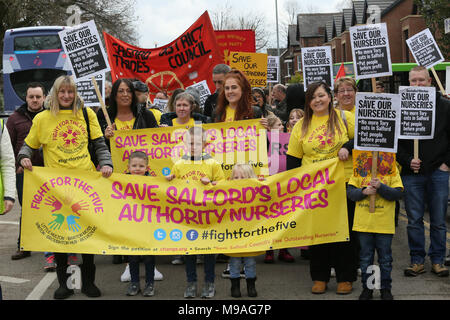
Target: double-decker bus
x: 29, y: 55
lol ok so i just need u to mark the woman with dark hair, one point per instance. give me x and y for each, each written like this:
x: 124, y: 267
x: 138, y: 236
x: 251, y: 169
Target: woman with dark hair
x: 295, y: 97
x: 323, y: 134
x: 124, y: 111
x: 235, y: 100
x: 184, y: 114
x: 260, y: 100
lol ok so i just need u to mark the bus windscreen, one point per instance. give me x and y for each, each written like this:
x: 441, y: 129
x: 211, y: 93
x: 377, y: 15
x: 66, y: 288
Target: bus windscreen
x: 37, y: 43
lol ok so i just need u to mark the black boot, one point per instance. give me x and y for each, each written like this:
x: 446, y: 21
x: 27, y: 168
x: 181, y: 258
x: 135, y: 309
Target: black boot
x: 366, y: 294
x: 236, y: 287
x: 87, y: 279
x: 63, y: 292
x: 251, y: 290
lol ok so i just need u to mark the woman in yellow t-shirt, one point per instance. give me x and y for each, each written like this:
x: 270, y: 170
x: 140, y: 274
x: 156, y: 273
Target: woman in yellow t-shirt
x: 235, y: 100
x: 320, y: 135
x: 184, y: 115
x: 62, y: 132
x: 124, y: 111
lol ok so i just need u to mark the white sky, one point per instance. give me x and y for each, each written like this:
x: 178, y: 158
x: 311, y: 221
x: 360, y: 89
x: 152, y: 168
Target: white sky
x: 162, y: 21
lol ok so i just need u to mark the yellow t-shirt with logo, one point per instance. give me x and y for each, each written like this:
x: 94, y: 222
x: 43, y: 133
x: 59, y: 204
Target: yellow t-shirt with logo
x: 383, y: 219
x: 124, y: 125
x: 316, y: 145
x: 64, y: 138
x: 194, y: 170
x: 187, y: 125
x: 230, y: 114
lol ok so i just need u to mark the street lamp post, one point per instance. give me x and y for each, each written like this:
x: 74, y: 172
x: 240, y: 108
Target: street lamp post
x: 278, y: 35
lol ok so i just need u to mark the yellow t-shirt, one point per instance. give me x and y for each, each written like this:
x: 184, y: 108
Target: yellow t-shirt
x: 64, y: 138
x: 230, y: 114
x: 316, y: 146
x: 187, y: 125
x: 348, y: 165
x: 194, y: 170
x: 124, y: 125
x: 157, y: 114
x: 383, y: 219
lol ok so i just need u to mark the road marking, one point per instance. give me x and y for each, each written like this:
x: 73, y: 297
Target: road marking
x: 13, y: 280
x: 42, y: 286
x: 15, y: 223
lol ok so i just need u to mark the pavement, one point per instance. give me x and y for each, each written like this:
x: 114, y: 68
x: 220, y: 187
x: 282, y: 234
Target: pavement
x: 26, y: 280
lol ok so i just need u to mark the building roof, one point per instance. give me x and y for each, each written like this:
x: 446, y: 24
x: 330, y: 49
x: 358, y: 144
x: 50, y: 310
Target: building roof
x: 382, y: 4
x: 347, y: 19
x: 359, y: 11
x: 337, y: 20
x: 329, y: 30
x: 312, y: 24
x: 274, y: 51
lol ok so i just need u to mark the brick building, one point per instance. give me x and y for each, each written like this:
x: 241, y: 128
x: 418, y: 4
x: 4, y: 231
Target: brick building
x: 332, y: 29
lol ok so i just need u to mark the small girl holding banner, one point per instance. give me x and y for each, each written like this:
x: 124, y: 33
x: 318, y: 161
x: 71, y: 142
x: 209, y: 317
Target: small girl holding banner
x: 243, y: 171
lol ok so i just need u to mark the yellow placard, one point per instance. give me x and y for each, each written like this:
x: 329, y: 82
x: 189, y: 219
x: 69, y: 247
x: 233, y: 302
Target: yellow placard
x: 82, y: 212
x: 228, y: 143
x: 253, y: 65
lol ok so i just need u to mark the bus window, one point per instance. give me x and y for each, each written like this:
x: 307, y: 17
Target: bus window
x: 37, y: 43
x: 20, y: 79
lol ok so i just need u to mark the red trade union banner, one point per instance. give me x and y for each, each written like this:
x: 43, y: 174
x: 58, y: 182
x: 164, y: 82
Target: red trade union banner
x: 187, y: 60
x: 235, y: 40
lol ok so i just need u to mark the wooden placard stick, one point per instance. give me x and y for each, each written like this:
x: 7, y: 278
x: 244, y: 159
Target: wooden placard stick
x: 416, y: 152
x: 441, y: 87
x: 100, y: 98
x: 374, y: 160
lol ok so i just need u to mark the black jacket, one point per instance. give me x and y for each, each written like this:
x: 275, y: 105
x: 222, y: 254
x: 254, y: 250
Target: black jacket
x: 433, y: 152
x: 144, y: 119
x: 210, y: 104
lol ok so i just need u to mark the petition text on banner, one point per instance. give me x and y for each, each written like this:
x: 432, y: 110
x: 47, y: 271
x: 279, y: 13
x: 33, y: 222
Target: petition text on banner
x: 228, y: 143
x: 81, y: 212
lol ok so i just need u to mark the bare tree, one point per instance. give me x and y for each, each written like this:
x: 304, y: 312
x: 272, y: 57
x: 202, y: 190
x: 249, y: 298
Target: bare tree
x: 288, y: 15
x: 117, y: 18
x: 226, y: 18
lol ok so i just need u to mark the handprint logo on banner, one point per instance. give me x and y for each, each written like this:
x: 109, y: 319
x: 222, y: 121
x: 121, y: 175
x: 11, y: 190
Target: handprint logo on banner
x: 61, y: 213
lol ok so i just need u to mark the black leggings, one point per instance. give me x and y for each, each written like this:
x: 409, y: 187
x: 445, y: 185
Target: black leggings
x: 343, y: 256
x: 61, y: 259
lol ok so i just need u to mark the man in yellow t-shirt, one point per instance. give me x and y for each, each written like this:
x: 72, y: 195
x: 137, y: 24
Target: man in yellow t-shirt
x: 375, y: 230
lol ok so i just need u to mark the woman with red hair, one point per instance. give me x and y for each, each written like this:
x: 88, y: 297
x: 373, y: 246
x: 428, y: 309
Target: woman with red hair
x: 235, y: 100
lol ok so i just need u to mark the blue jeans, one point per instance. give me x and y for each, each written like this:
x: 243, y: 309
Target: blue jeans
x: 209, y: 265
x: 433, y: 190
x: 249, y: 267
x: 382, y: 244
x: 149, y: 263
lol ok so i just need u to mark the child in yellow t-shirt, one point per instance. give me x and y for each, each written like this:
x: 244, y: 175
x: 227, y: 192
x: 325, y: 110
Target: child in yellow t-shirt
x: 375, y: 230
x: 200, y: 167
x: 138, y: 165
